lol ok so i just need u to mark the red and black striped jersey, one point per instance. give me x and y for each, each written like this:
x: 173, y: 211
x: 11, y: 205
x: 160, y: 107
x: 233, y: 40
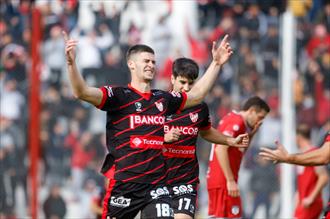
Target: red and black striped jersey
x: 180, y: 156
x: 135, y: 133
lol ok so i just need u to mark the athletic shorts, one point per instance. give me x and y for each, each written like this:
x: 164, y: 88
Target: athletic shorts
x: 125, y: 200
x: 313, y: 211
x: 222, y: 205
x: 184, y: 199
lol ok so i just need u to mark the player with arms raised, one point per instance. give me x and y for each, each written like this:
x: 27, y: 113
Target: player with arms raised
x: 135, y: 129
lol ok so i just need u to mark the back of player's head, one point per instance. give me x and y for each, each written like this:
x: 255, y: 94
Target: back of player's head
x: 257, y: 103
x: 304, y: 131
x: 186, y: 68
x: 138, y: 48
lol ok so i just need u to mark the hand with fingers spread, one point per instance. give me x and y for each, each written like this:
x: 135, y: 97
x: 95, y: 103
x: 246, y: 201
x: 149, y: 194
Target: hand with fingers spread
x: 277, y: 155
x: 70, y: 48
x: 222, y: 53
x: 172, y: 135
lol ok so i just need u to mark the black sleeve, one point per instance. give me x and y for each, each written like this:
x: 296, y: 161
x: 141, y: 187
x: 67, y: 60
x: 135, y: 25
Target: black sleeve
x: 176, y: 101
x: 111, y: 99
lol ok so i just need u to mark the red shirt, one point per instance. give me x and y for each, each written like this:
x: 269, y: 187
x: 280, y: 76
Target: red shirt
x: 306, y: 181
x: 232, y: 125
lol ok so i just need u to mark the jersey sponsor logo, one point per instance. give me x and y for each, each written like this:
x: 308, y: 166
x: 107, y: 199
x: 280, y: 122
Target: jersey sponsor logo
x: 146, y: 120
x: 183, y: 129
x: 146, y: 142
x: 235, y: 210
x: 176, y: 94
x: 193, y: 117
x: 156, y: 193
x: 120, y: 201
x: 183, y: 189
x: 179, y: 151
x: 138, y: 106
x: 159, y: 106
x: 109, y: 91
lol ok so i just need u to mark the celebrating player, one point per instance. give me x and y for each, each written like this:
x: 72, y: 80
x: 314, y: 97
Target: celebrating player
x: 135, y: 129
x: 181, y: 132
x: 224, y: 164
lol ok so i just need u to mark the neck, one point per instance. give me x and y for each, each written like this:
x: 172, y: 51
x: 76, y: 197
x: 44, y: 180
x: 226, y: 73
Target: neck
x: 143, y: 87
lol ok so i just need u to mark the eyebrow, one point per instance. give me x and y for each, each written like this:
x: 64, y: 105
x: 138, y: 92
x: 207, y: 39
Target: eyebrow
x: 147, y: 60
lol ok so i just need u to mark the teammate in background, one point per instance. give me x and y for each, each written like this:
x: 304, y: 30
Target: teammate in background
x: 320, y: 156
x: 135, y: 129
x: 311, y: 180
x: 181, y: 132
x: 224, y: 164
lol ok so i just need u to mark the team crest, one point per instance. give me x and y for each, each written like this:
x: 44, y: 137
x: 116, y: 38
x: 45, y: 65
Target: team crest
x: 138, y: 106
x: 159, y: 106
x: 193, y: 117
x: 235, y: 210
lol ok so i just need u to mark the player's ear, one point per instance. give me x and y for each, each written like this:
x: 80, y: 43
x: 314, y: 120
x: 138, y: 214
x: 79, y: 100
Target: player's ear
x: 172, y: 79
x: 131, y: 64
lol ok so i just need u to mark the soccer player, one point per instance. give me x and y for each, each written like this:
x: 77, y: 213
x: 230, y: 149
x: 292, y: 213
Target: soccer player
x: 310, y: 180
x: 224, y: 163
x: 181, y: 132
x: 319, y: 156
x: 135, y: 129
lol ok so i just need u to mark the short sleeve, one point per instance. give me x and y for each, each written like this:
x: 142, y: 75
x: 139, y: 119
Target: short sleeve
x: 232, y: 127
x: 177, y: 101
x: 111, y: 98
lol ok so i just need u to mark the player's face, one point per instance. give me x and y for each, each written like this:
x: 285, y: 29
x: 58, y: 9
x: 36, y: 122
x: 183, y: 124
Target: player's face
x: 143, y: 65
x: 182, y: 84
x: 256, y: 116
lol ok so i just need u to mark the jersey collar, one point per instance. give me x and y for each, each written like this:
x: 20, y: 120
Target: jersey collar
x: 146, y: 95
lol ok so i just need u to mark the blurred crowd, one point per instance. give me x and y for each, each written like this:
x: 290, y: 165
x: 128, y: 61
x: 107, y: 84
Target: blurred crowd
x: 72, y: 133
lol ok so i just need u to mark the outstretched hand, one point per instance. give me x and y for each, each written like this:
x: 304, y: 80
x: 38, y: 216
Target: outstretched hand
x: 70, y: 48
x: 222, y: 53
x: 280, y: 154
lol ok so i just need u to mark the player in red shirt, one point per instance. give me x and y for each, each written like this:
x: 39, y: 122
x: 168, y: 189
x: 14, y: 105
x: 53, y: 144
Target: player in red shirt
x: 319, y: 156
x: 310, y: 180
x: 224, y: 164
x: 135, y: 129
x: 181, y: 133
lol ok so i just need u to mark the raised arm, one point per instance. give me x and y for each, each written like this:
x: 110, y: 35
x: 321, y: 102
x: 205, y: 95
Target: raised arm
x: 80, y: 89
x: 220, y: 56
x: 320, y: 156
x: 214, y: 136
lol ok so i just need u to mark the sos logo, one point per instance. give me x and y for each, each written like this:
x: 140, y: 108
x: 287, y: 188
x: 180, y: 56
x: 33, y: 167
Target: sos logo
x: 159, y: 192
x: 183, y: 189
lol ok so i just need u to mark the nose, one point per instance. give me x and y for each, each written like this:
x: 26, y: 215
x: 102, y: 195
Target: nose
x: 186, y: 87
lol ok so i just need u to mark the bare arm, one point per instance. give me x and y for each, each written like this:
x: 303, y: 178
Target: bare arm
x: 80, y: 89
x: 320, y: 156
x: 220, y: 56
x: 221, y: 152
x: 322, y: 180
x: 214, y: 136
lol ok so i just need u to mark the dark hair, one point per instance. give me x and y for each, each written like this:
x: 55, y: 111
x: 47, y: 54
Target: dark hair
x: 186, y: 68
x: 256, y: 102
x: 137, y: 49
x: 304, y: 131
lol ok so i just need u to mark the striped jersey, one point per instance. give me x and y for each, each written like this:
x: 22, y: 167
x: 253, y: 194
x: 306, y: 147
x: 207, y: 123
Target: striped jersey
x: 180, y: 156
x: 135, y: 132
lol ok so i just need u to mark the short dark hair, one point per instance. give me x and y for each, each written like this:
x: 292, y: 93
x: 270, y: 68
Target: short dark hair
x: 186, y: 68
x: 304, y: 131
x: 256, y: 102
x: 137, y: 49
